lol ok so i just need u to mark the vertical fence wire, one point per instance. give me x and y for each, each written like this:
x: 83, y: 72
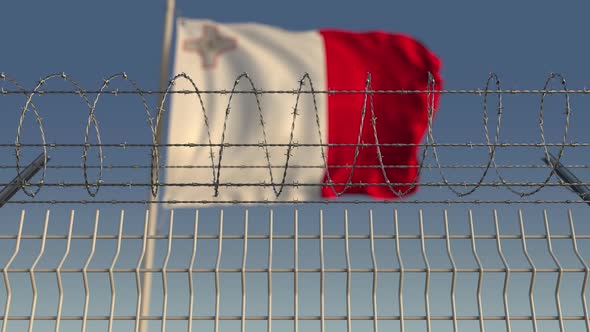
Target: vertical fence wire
x: 165, y: 272
x: 58, y: 275
x: 5, y: 272
x: 454, y: 273
x: 427, y: 279
x: 375, y: 270
x: 506, y: 274
x: 112, y: 274
x: 348, y: 273
x: 269, y: 275
x: 32, y: 271
x: 533, y: 274
x: 322, y: 275
x: 85, y: 271
x: 138, y: 273
x: 480, y: 272
x: 217, y: 268
x: 401, y: 273
x: 559, y: 273
x: 243, y: 273
x: 586, y: 269
x: 295, y: 271
x: 191, y: 286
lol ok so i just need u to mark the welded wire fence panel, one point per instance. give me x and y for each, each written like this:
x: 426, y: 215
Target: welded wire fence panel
x: 287, y: 270
x: 493, y: 240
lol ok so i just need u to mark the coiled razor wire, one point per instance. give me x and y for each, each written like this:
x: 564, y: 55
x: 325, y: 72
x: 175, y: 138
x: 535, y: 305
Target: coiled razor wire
x: 154, y: 118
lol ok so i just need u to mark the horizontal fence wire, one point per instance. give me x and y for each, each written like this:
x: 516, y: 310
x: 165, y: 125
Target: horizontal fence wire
x: 278, y: 269
x: 432, y: 171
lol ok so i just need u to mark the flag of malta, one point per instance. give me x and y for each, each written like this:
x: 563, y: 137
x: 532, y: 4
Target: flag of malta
x: 317, y: 135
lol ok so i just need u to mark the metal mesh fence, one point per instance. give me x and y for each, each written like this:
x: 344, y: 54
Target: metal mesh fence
x: 314, y: 270
x: 492, y: 241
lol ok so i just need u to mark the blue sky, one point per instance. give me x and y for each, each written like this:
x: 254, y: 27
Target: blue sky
x: 521, y: 41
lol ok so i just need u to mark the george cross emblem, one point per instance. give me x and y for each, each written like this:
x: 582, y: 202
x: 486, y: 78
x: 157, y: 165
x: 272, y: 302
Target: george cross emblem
x: 210, y: 46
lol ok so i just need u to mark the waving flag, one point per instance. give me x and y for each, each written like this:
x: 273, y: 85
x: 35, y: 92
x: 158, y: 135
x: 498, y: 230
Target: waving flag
x: 293, y: 144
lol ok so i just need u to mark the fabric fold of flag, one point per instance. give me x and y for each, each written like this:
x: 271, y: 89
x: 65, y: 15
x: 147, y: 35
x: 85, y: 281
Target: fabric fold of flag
x: 324, y: 130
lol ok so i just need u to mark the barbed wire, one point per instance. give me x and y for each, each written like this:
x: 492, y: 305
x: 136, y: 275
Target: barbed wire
x: 451, y: 166
x: 291, y: 92
x: 301, y: 184
x: 297, y: 202
x: 492, y: 142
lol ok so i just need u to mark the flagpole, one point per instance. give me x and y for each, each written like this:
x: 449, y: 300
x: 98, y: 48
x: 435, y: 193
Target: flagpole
x: 153, y: 207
